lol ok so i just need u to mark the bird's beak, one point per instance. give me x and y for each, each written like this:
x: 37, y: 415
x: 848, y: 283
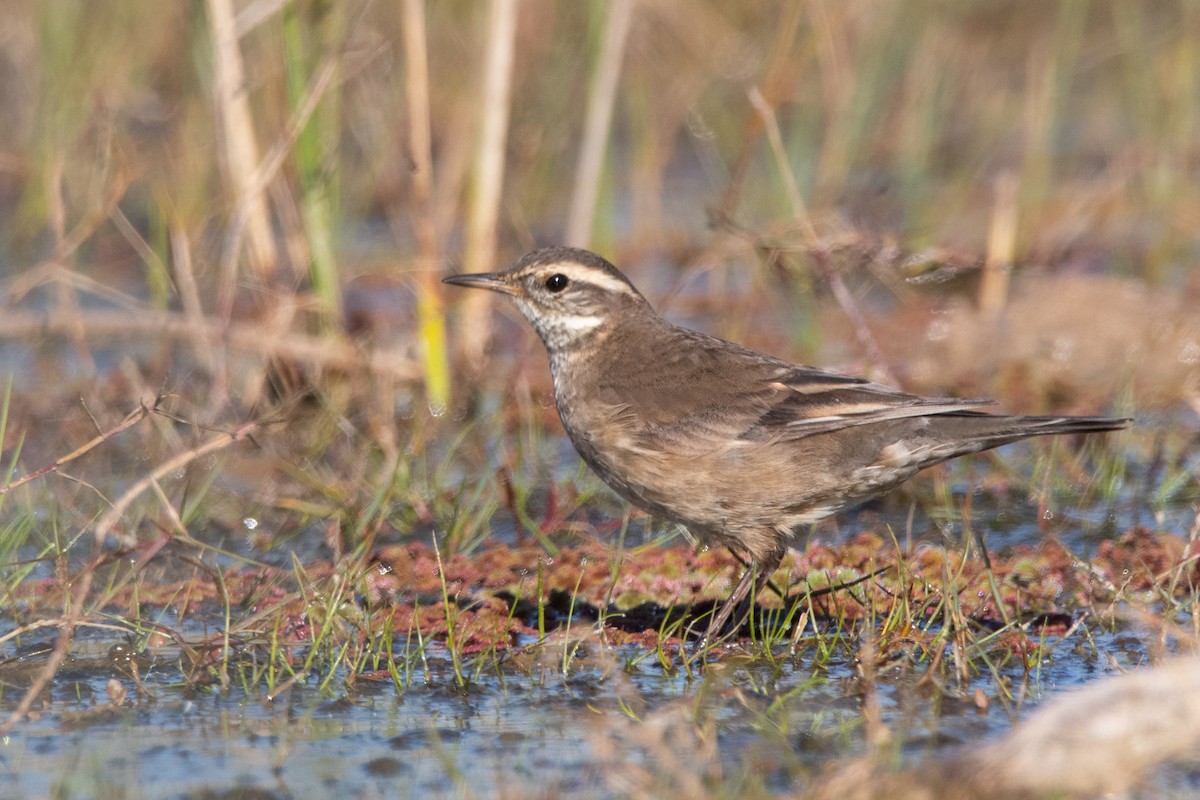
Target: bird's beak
x: 483, y: 280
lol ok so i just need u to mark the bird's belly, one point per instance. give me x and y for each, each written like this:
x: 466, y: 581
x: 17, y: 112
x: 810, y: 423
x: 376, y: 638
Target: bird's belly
x: 728, y: 492
x: 721, y: 487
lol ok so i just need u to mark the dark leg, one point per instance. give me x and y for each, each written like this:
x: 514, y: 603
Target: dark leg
x: 741, y: 599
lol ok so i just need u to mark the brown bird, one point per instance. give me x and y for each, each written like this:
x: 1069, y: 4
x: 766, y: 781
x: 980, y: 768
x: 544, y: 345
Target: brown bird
x: 741, y: 448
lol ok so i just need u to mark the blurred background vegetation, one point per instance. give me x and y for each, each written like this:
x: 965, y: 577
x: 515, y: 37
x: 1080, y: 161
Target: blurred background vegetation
x: 238, y: 203
x: 126, y: 148
x: 223, y: 225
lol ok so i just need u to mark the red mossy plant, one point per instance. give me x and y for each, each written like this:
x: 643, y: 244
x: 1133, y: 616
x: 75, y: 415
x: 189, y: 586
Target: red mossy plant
x: 1142, y: 560
x: 491, y: 597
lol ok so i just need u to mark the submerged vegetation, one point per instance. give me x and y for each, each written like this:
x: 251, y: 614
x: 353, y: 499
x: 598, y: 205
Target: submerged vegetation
x: 257, y: 476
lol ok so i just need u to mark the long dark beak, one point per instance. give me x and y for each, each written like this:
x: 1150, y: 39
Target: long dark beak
x: 482, y: 280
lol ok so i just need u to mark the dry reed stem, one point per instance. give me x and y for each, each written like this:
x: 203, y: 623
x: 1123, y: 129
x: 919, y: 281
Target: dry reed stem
x: 241, y: 148
x: 597, y: 123
x: 218, y: 442
x: 454, y: 165
x: 778, y: 75
x: 842, y: 79
x: 67, y: 241
x: 131, y: 419
x: 67, y: 624
x: 420, y: 137
x: 57, y: 622
x: 137, y: 241
x: 484, y: 212
x: 1001, y: 248
x: 816, y: 248
x: 64, y: 293
x: 172, y: 512
x: 431, y: 322
x: 256, y: 13
x: 770, y: 124
x: 246, y: 338
x: 189, y: 295
x: 261, y: 174
x: 52, y: 271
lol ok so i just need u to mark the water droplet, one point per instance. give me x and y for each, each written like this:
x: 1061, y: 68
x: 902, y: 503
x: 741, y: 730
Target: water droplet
x: 249, y: 523
x: 1063, y: 349
x: 1047, y: 514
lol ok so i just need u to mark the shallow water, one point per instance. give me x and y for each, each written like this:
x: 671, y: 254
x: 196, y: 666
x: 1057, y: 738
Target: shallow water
x: 526, y: 727
x: 528, y: 731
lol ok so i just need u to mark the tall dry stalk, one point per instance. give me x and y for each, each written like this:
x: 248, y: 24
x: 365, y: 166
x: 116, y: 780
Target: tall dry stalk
x: 241, y: 147
x: 1001, y: 248
x: 430, y: 319
x: 601, y: 97
x: 489, y: 173
x: 776, y: 81
x: 816, y: 248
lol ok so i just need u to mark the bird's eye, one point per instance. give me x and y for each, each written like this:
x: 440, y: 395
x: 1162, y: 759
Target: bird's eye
x: 556, y: 282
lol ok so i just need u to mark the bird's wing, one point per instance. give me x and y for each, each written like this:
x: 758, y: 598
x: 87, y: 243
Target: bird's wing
x: 750, y: 396
x: 807, y: 401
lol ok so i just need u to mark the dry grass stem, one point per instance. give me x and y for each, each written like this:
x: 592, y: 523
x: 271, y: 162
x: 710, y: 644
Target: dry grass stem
x: 775, y: 83
x: 420, y: 134
x: 219, y: 442
x: 263, y: 339
x: 596, y: 124
x: 82, y: 586
x: 1001, y: 247
x: 256, y: 13
x: 816, y: 248
x: 431, y: 323
x: 484, y: 212
x: 241, y: 147
x: 131, y: 419
x: 260, y: 176
x: 189, y: 297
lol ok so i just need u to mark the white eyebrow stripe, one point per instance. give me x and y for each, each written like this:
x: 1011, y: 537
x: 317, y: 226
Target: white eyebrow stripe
x: 595, y: 277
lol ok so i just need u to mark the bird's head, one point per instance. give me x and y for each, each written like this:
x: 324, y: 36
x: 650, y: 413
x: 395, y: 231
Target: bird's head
x: 568, y: 295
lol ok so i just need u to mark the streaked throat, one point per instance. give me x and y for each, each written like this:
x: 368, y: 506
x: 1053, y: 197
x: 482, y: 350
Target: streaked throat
x: 568, y: 331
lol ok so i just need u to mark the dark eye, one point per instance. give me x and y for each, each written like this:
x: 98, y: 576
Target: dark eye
x: 556, y: 282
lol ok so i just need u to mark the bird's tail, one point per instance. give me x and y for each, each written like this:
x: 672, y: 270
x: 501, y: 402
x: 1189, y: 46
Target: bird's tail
x: 985, y: 431
x: 961, y: 432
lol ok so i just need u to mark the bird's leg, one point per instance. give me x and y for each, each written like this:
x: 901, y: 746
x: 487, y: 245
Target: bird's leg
x: 782, y: 594
x: 756, y: 575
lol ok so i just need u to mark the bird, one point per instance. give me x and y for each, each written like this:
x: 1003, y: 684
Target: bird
x: 743, y: 449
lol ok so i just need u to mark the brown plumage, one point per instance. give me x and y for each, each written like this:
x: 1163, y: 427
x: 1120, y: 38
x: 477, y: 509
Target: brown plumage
x: 741, y: 448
